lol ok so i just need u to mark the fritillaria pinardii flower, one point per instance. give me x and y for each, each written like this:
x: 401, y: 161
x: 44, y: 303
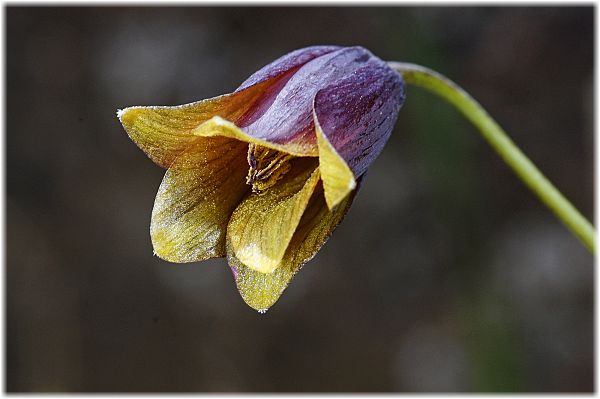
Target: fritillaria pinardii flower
x: 264, y: 175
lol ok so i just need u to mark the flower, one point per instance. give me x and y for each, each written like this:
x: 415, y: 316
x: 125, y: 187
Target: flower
x: 263, y: 175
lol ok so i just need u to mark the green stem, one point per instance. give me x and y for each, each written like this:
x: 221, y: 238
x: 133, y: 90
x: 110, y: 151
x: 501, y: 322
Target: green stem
x: 503, y: 145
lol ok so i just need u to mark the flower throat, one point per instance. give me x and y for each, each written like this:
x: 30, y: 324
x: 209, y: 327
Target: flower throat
x: 267, y: 166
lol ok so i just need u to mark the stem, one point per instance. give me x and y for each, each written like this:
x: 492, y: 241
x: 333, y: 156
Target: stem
x: 503, y: 145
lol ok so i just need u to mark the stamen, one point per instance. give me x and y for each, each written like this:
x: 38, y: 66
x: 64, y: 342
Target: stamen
x: 267, y: 166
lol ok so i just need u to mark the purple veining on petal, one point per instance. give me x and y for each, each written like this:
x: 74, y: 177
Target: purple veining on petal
x: 288, y: 116
x: 266, y: 100
x: 286, y: 63
x: 358, y: 113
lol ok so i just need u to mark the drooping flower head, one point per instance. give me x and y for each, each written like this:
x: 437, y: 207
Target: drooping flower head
x: 263, y: 175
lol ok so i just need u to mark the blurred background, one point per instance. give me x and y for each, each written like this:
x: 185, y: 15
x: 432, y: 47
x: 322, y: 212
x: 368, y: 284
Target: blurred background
x: 447, y: 275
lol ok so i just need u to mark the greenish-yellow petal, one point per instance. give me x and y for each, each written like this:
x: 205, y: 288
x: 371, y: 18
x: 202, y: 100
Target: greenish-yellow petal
x: 262, y: 226
x: 199, y: 192
x: 164, y: 132
x: 218, y: 126
x: 338, y: 179
x: 262, y: 290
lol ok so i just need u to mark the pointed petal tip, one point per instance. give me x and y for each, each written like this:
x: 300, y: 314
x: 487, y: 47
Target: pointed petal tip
x: 259, y: 291
x: 334, y: 197
x: 121, y: 113
x: 127, y: 116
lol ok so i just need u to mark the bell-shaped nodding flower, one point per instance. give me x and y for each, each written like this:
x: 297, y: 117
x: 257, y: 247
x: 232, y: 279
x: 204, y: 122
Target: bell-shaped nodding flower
x: 264, y: 175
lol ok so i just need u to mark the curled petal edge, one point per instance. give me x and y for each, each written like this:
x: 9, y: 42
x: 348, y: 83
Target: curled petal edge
x: 217, y: 126
x: 338, y: 179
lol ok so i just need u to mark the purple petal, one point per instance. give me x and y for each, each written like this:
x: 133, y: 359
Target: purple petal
x: 286, y: 63
x: 288, y: 116
x: 357, y: 113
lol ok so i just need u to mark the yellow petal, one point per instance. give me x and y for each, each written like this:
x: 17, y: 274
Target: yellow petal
x: 338, y: 179
x: 262, y: 290
x: 196, y: 198
x: 262, y: 226
x: 164, y: 132
x: 218, y: 126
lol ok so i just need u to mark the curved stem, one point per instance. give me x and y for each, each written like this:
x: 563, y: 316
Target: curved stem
x: 503, y: 145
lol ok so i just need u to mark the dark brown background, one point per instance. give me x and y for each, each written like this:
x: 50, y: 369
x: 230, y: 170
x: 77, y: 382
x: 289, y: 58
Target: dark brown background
x: 447, y: 274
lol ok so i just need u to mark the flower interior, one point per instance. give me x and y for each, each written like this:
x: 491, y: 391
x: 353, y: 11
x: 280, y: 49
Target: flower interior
x: 266, y: 167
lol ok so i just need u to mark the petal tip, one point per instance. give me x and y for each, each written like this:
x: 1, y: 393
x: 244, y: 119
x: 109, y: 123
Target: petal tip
x: 352, y: 184
x: 127, y: 116
x: 162, y: 249
x: 259, y: 291
x: 333, y: 197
